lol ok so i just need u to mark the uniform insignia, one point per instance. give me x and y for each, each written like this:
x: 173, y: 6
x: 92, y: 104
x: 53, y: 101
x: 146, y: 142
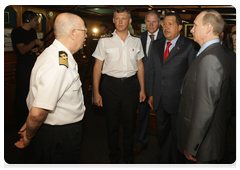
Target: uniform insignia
x: 63, y: 58
x: 106, y: 35
x: 138, y: 36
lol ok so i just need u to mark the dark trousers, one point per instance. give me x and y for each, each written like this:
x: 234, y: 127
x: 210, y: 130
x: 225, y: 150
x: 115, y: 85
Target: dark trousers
x: 58, y: 144
x: 120, y: 100
x: 167, y: 137
x: 143, y: 119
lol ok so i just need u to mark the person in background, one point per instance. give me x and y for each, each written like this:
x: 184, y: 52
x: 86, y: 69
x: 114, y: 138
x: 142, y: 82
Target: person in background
x: 233, y: 35
x: 25, y: 44
x: 152, y: 21
x: 103, y: 30
x: 119, y: 59
x: 230, y: 152
x: 55, y: 98
x: 170, y: 58
x: 233, y: 29
x: 201, y: 126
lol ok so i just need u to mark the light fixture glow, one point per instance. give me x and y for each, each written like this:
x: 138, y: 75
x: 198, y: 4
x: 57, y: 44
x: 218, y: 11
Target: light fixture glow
x: 95, y: 30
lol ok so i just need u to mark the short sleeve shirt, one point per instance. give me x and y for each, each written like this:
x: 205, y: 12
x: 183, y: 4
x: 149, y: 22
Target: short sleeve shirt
x: 19, y: 36
x: 56, y: 87
x: 120, y: 58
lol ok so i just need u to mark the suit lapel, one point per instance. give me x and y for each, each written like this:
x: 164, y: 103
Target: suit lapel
x: 176, y: 49
x: 161, y: 49
x: 144, y: 42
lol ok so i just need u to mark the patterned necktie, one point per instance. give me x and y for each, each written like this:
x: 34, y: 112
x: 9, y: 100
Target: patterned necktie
x: 149, y: 48
x: 167, y: 51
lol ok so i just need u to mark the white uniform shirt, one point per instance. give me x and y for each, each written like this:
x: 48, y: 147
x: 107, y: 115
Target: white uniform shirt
x: 56, y: 87
x: 120, y: 58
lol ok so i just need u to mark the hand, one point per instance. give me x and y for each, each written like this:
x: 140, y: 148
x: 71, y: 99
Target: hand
x: 38, y: 42
x: 142, y: 96
x: 23, y: 128
x: 97, y: 100
x: 150, y: 101
x: 189, y: 156
x: 23, y: 142
x: 34, y: 50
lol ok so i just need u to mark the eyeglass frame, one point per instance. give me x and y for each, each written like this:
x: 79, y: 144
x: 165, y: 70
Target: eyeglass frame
x: 85, y: 30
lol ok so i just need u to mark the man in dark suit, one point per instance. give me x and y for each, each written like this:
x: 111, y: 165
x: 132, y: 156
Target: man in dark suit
x: 165, y: 75
x: 201, y: 127
x: 153, y: 21
x: 230, y: 151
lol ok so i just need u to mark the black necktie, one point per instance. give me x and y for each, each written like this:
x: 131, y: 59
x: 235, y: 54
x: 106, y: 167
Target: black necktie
x: 149, y: 48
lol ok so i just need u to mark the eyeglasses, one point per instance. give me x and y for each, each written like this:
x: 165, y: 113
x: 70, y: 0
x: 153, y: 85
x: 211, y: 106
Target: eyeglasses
x: 85, y: 30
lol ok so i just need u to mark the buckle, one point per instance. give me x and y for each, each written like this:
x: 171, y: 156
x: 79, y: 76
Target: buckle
x: 123, y: 79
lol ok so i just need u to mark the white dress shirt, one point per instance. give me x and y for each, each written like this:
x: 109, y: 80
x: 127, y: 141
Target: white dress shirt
x: 56, y: 87
x: 149, y: 39
x: 120, y: 58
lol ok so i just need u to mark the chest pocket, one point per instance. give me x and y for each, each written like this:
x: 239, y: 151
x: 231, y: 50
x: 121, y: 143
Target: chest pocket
x: 133, y: 53
x: 112, y: 54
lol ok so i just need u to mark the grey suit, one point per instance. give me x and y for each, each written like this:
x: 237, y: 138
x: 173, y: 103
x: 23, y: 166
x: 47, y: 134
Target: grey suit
x: 201, y: 125
x: 164, y: 83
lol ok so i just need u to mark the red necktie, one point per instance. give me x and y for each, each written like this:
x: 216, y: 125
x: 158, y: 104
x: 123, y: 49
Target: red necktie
x: 167, y: 50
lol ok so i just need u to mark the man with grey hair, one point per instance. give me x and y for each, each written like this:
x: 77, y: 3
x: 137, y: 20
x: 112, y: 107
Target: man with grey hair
x: 55, y: 98
x: 201, y: 127
x: 152, y: 21
x: 119, y: 59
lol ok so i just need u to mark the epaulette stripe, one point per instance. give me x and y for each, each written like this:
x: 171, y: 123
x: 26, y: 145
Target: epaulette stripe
x: 138, y: 36
x: 106, y: 36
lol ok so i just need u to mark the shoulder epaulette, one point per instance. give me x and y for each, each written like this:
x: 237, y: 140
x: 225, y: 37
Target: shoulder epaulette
x: 106, y: 36
x: 63, y: 58
x: 138, y: 36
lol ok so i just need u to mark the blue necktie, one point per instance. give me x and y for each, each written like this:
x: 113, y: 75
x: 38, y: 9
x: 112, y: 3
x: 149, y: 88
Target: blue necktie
x: 149, y: 48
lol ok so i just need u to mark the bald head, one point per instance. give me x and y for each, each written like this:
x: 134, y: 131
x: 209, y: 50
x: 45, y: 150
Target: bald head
x: 64, y: 23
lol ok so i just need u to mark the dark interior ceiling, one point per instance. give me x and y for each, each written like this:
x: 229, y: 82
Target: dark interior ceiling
x: 105, y: 12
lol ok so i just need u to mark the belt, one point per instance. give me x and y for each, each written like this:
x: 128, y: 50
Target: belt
x: 122, y: 79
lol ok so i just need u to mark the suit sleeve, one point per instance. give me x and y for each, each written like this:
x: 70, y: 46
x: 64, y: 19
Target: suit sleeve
x: 208, y: 83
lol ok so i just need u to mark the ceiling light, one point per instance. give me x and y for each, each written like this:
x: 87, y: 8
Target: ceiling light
x: 159, y: 10
x: 95, y: 30
x: 183, y: 10
x: 149, y: 9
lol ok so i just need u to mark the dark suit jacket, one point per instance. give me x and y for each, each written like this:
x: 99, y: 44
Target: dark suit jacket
x: 201, y: 125
x: 145, y: 59
x: 231, y: 100
x: 164, y: 80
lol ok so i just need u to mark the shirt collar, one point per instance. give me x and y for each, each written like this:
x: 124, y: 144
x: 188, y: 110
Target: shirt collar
x: 174, y: 41
x: 115, y: 34
x: 155, y: 34
x: 204, y: 46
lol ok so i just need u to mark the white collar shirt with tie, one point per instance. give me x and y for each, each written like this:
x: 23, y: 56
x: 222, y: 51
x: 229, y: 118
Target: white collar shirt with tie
x: 149, y: 39
x: 174, y: 41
